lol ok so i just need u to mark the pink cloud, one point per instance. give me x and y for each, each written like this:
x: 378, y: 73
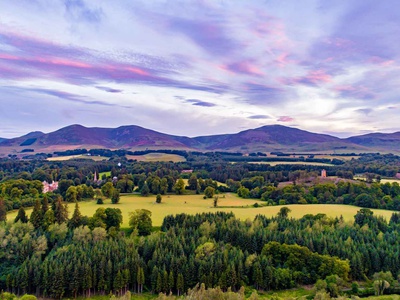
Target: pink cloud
x: 243, y: 67
x: 349, y: 91
x: 380, y: 61
x: 314, y: 77
x: 41, y: 59
x: 285, y: 119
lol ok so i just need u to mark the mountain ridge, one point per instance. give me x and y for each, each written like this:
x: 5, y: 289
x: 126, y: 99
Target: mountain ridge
x: 265, y: 138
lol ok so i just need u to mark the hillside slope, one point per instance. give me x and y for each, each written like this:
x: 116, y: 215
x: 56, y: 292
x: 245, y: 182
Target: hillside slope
x: 264, y: 139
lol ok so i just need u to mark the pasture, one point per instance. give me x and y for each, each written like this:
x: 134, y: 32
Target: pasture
x: 107, y: 174
x: 154, y: 157
x: 307, y: 163
x: 192, y: 204
x: 390, y: 180
x: 80, y: 156
x: 321, y: 156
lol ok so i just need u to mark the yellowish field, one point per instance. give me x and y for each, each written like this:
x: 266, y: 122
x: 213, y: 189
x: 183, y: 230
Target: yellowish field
x: 80, y: 156
x: 192, y: 204
x: 150, y: 157
x: 390, y: 180
x: 385, y: 180
x: 275, y: 163
x: 318, y: 155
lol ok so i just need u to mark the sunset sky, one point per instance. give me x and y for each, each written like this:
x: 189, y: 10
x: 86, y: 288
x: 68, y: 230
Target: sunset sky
x: 200, y: 67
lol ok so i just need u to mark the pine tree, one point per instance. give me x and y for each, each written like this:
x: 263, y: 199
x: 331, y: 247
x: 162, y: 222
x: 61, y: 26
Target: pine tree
x: 37, y: 215
x: 76, y: 219
x: 45, y: 204
x: 165, y: 282
x: 154, y: 277
x: 21, y: 216
x: 23, y: 278
x: 159, y: 283
x: 140, y: 279
x: 145, y: 191
x: 180, y: 284
x: 171, y: 281
x: 48, y: 219
x: 3, y: 210
x: 60, y: 211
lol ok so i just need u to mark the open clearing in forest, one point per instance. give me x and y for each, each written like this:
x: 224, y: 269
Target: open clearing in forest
x: 192, y: 204
x: 150, y: 157
x: 80, y: 156
x: 275, y: 163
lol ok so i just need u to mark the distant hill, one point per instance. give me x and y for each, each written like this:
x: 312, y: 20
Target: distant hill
x: 264, y: 139
x: 121, y: 137
x: 384, y: 141
x: 274, y: 137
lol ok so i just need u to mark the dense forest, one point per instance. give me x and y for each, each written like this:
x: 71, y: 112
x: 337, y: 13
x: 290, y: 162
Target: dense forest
x: 214, y: 249
x: 54, y: 254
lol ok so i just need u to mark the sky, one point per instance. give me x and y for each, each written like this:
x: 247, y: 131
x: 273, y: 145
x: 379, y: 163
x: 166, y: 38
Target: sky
x: 197, y: 68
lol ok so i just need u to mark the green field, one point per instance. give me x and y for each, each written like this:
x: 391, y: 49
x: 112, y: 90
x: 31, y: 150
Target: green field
x: 108, y: 174
x: 275, y: 163
x: 150, y: 157
x: 192, y: 204
x: 80, y: 156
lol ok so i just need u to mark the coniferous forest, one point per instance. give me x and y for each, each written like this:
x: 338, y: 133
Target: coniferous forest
x: 57, y: 254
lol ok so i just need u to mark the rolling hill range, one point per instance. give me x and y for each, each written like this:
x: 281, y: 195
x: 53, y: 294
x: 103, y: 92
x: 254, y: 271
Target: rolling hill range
x: 387, y: 141
x: 264, y: 139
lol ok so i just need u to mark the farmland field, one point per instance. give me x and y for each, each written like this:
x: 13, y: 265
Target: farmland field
x: 157, y: 157
x: 384, y: 180
x: 80, y: 156
x: 275, y: 163
x: 321, y: 156
x: 192, y: 204
x: 390, y: 180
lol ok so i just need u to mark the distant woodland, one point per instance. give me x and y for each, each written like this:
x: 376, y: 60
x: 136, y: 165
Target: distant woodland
x: 53, y: 253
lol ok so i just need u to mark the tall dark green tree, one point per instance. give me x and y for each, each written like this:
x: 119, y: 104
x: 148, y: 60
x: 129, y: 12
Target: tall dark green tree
x: 3, y: 210
x: 113, y: 218
x: 145, y: 191
x: 21, y: 216
x: 60, y: 211
x: 36, y: 217
x: 76, y: 219
x: 45, y: 204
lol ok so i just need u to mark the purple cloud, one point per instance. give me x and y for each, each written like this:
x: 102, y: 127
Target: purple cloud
x: 313, y: 78
x: 365, y: 111
x: 244, y: 67
x: 68, y: 96
x: 260, y: 94
x: 259, y: 117
x: 358, y: 92
x: 80, y: 67
x: 200, y: 103
x: 109, y: 90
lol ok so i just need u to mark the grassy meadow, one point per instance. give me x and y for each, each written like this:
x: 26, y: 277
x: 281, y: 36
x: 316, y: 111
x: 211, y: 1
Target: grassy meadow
x: 154, y: 157
x: 80, y: 156
x: 192, y: 204
x: 275, y: 163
